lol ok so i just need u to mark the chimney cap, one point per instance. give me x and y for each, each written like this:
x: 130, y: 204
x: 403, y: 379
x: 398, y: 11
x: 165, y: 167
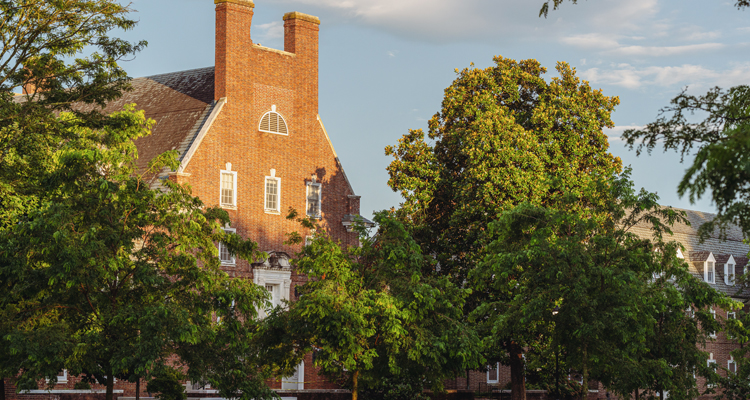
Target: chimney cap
x: 303, y: 17
x: 248, y: 3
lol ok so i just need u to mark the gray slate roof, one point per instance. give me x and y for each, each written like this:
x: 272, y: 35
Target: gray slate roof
x: 696, y: 252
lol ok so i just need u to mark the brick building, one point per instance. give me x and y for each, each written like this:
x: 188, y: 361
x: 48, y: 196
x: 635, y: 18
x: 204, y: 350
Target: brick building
x: 250, y: 140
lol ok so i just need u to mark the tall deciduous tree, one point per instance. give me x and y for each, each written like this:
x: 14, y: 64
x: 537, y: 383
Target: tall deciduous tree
x: 615, y: 302
x: 61, y: 54
x: 129, y: 274
x: 370, y: 313
x: 502, y: 134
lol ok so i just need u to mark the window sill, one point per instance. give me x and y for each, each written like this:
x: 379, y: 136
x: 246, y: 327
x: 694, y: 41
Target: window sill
x: 228, y: 207
x: 273, y: 212
x: 226, y: 264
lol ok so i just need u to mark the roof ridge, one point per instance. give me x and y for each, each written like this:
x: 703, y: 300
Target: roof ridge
x: 183, y: 72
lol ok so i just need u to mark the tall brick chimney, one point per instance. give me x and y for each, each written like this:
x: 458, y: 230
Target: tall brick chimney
x: 301, y: 38
x: 233, y: 21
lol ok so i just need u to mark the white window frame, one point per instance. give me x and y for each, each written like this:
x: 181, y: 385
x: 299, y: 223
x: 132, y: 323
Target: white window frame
x: 497, y: 368
x: 63, y: 378
x: 713, y: 314
x: 319, y: 212
x: 708, y: 364
x: 268, y: 113
x: 277, y: 210
x: 731, y: 315
x: 729, y: 365
x: 712, y: 262
x: 729, y: 271
x: 299, y: 384
x: 233, y: 261
x: 234, y: 188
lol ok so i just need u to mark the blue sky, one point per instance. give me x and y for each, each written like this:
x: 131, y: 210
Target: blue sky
x: 385, y: 63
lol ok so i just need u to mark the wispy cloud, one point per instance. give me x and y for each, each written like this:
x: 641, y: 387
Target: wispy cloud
x: 615, y: 134
x: 665, y: 51
x: 271, y: 31
x: 631, y: 77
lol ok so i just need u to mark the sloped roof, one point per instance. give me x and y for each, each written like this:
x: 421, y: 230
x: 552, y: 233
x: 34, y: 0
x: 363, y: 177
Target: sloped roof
x: 179, y: 103
x: 697, y: 252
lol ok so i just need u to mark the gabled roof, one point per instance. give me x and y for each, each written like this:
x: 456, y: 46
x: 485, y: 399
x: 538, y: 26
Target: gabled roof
x: 179, y: 102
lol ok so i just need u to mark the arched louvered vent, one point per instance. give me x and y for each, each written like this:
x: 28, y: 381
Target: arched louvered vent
x: 273, y: 122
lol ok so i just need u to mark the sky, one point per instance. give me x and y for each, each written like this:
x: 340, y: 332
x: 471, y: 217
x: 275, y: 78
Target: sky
x: 384, y: 64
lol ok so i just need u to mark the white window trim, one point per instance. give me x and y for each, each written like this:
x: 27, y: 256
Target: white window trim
x: 713, y: 314
x: 64, y: 377
x: 273, y: 111
x: 729, y: 364
x: 319, y: 213
x: 497, y: 368
x: 708, y: 364
x: 233, y: 262
x: 711, y: 260
x: 234, y: 189
x: 278, y: 197
x: 727, y: 270
x: 300, y: 382
x: 283, y: 279
x: 731, y: 315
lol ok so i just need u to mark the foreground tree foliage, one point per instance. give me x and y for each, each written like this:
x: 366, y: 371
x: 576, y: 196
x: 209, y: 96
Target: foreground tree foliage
x: 544, y: 11
x: 374, y: 319
x: 502, y: 135
x: 126, y: 274
x: 43, y: 44
x: 612, y: 303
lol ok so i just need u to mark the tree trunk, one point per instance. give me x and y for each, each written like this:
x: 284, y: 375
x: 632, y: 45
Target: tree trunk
x: 2, y: 388
x: 661, y: 394
x: 517, y: 378
x: 138, y: 389
x: 636, y: 394
x: 585, y: 394
x: 355, y: 385
x: 110, y: 385
x: 467, y: 380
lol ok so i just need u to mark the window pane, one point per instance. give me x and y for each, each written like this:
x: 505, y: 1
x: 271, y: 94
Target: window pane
x: 313, y: 200
x: 227, y: 189
x: 272, y: 194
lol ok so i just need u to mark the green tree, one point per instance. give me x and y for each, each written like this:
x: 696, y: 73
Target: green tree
x: 44, y: 43
x: 614, y: 302
x: 129, y: 274
x: 372, y: 316
x: 740, y: 4
x: 502, y: 135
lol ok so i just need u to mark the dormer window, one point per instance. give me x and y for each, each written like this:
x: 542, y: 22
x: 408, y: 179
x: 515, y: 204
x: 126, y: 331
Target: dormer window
x: 709, y: 269
x: 273, y: 122
x: 729, y: 271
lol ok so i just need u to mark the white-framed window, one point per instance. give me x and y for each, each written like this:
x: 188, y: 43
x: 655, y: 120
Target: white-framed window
x: 272, y: 202
x: 493, y: 373
x: 296, y: 381
x: 709, y: 364
x: 729, y: 271
x: 228, y: 187
x: 314, y: 197
x: 63, y: 377
x: 709, y: 269
x: 273, y: 122
x: 731, y: 315
x: 713, y: 334
x: 273, y: 293
x: 226, y: 256
x: 731, y: 365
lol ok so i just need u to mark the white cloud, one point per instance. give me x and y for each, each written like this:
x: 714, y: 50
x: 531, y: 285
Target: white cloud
x: 271, y: 31
x: 615, y: 134
x: 591, y: 41
x: 630, y: 77
x: 448, y: 20
x: 392, y: 54
x: 665, y: 51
